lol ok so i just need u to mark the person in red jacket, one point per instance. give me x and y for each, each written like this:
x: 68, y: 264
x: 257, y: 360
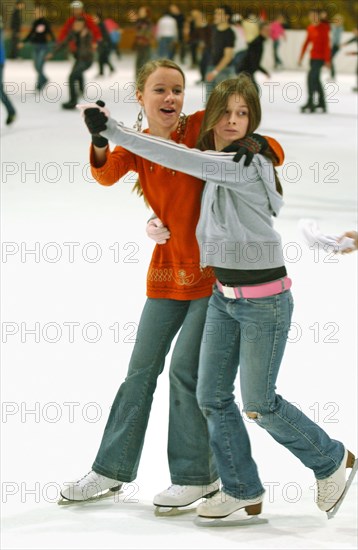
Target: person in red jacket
x: 318, y: 37
x: 81, y: 36
x: 77, y: 11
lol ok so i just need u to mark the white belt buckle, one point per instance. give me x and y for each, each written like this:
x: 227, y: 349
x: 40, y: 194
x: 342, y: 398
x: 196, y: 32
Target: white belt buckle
x: 229, y: 292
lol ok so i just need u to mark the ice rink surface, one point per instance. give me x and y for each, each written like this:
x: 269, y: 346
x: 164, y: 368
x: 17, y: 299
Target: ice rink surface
x: 74, y: 263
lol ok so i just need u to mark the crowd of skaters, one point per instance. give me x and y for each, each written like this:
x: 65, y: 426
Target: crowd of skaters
x: 84, y: 35
x: 220, y: 47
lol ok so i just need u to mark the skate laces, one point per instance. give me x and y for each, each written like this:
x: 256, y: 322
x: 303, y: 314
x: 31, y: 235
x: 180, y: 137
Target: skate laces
x: 331, y: 488
x: 90, y: 477
x: 216, y: 499
x: 176, y: 490
x: 219, y: 498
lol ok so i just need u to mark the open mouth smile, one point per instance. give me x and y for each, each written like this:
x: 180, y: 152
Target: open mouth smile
x: 167, y: 111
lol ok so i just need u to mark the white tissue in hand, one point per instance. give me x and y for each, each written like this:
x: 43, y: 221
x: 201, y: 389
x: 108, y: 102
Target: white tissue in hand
x: 313, y: 236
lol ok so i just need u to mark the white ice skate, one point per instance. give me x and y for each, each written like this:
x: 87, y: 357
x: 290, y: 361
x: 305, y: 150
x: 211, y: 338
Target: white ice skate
x: 332, y: 490
x: 177, y: 498
x: 223, y: 510
x: 91, y: 487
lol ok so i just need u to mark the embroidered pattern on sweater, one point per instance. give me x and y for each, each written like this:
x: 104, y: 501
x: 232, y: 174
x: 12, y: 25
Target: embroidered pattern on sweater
x: 181, y: 277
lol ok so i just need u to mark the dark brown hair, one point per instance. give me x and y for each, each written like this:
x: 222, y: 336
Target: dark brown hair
x: 216, y: 106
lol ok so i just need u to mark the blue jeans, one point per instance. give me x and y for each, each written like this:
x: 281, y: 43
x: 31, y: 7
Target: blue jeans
x: 228, y: 72
x: 76, y: 77
x: 238, y: 60
x: 189, y: 454
x: 334, y: 50
x: 252, y: 333
x: 39, y: 54
x: 276, y: 44
x: 166, y: 47
x: 3, y: 96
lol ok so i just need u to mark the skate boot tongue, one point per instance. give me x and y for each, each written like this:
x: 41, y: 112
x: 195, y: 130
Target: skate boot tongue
x: 90, y: 486
x: 183, y: 495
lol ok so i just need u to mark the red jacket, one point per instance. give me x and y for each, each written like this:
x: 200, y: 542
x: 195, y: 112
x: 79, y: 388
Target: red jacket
x: 90, y: 24
x: 318, y: 36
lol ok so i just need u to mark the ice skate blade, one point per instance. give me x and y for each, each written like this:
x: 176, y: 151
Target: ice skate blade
x: 332, y: 512
x: 225, y: 522
x: 168, y: 511
x: 108, y: 494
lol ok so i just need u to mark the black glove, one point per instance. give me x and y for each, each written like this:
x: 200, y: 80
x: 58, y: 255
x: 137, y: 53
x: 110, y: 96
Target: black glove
x: 249, y: 146
x: 96, y: 122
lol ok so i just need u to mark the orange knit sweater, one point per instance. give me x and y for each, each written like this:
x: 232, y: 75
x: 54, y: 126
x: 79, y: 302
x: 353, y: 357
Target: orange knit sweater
x: 174, y: 271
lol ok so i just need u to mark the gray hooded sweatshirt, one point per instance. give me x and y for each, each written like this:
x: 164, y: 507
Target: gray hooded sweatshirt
x: 235, y: 229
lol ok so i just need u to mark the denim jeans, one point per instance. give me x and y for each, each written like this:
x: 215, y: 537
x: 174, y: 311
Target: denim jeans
x: 39, y: 54
x: 76, y: 76
x: 334, y: 50
x: 190, y: 458
x: 252, y: 334
x: 166, y: 47
x: 276, y: 45
x: 238, y: 60
x: 3, y: 96
x: 228, y: 72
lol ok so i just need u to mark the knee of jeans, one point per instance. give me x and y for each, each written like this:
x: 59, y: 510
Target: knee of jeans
x: 257, y: 410
x: 180, y: 375
x: 211, y: 403
x: 205, y: 402
x: 253, y: 415
x: 207, y: 409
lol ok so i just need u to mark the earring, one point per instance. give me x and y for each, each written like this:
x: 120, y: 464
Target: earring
x: 138, y: 123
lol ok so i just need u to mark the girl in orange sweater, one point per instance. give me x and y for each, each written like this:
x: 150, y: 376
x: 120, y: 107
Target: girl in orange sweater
x: 178, y: 291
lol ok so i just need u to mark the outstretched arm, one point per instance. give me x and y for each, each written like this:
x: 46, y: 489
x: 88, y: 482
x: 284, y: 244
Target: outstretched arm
x: 167, y: 153
x: 211, y: 166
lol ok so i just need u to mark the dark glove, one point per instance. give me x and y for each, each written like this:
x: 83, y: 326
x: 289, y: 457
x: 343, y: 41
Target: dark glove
x: 96, y: 122
x: 248, y: 146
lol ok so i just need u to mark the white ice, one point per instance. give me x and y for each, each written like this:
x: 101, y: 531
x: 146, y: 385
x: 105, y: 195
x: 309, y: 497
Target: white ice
x: 82, y: 292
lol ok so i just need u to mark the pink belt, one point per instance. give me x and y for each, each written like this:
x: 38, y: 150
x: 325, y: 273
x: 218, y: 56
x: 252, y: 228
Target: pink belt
x: 255, y: 291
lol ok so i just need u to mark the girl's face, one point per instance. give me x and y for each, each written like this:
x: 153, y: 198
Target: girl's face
x: 233, y: 124
x: 162, y: 99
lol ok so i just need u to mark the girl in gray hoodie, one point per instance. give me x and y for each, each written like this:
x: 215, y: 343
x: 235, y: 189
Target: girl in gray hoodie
x: 250, y: 311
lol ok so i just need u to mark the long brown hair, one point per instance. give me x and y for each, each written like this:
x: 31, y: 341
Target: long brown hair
x: 243, y: 86
x: 142, y: 77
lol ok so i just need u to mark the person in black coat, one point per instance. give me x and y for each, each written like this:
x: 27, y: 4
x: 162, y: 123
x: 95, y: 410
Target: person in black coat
x: 104, y: 46
x: 39, y: 36
x: 15, y: 28
x: 252, y: 61
x: 81, y: 37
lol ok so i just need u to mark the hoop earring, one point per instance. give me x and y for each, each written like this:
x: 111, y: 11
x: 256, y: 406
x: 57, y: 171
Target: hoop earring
x: 138, y: 123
